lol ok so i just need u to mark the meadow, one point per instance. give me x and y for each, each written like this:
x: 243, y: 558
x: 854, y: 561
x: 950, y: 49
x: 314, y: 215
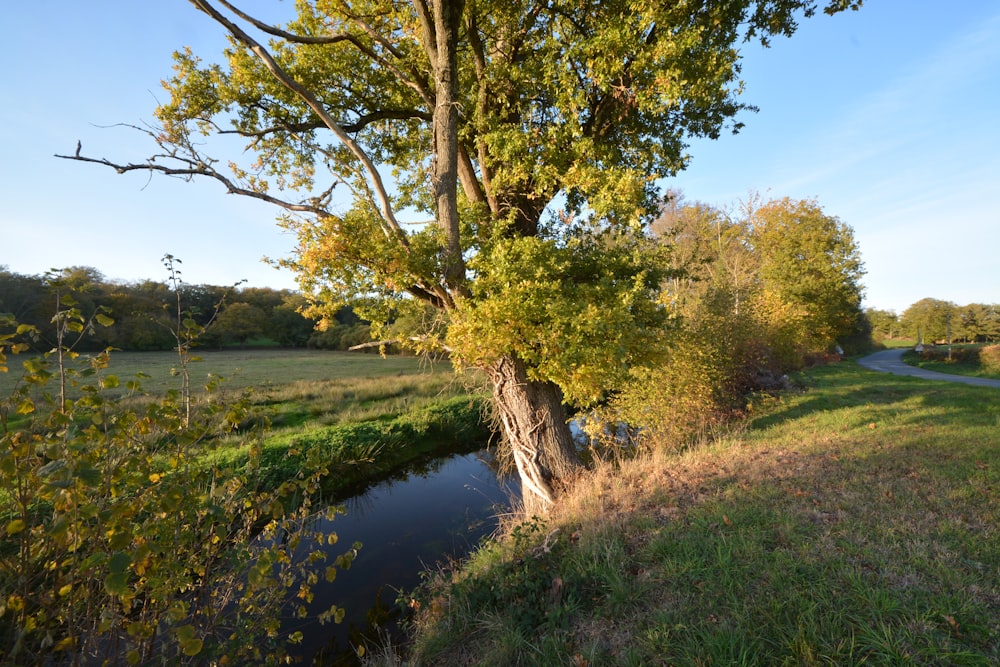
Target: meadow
x: 855, y: 521
x: 361, y: 414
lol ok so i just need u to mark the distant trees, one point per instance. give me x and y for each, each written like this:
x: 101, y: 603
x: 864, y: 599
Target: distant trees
x: 934, y: 320
x: 884, y: 323
x: 929, y: 320
x: 142, y: 312
x: 238, y: 322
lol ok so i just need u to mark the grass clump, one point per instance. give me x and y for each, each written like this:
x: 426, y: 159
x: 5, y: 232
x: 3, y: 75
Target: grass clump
x: 856, y: 522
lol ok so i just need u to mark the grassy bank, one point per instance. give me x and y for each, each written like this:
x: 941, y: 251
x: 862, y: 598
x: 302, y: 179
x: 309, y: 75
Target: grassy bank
x: 856, y: 522
x: 357, y: 454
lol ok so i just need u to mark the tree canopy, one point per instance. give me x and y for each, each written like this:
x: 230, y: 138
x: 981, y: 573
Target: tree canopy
x: 486, y: 150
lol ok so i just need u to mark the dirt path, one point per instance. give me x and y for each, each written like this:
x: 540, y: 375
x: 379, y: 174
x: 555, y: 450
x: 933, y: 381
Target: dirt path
x: 891, y: 361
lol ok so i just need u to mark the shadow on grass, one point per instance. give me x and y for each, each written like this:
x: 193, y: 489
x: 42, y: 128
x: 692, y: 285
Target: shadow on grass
x: 855, y: 524
x: 847, y: 385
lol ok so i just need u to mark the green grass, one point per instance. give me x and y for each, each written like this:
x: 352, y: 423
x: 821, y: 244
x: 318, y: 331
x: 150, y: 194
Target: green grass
x: 360, y: 415
x: 964, y: 361
x: 855, y: 522
x: 258, y: 368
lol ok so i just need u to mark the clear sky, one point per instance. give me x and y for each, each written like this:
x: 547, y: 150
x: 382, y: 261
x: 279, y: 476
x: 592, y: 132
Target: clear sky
x: 889, y: 117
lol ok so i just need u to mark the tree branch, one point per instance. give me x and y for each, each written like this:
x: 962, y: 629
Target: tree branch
x: 192, y: 169
x: 363, y: 121
x: 290, y: 36
x: 391, y: 227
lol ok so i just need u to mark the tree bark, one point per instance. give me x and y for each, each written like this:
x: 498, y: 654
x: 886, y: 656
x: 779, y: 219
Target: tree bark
x: 534, y: 424
x: 447, y: 21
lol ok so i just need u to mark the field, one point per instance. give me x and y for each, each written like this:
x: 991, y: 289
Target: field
x: 856, y: 521
x: 344, y: 408
x: 255, y: 368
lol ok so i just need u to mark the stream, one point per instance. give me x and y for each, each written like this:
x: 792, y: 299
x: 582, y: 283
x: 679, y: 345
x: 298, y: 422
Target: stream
x: 434, y: 512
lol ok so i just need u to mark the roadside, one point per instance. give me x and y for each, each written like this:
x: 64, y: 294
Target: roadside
x: 891, y: 361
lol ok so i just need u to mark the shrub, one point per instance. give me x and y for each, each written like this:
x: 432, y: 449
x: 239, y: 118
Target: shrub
x: 116, y: 548
x: 989, y: 358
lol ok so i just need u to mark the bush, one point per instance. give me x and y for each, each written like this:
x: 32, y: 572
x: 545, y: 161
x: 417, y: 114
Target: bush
x: 117, y: 548
x: 989, y: 358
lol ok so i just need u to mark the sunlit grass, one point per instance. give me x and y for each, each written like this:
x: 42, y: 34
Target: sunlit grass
x: 856, y: 522
x: 963, y: 360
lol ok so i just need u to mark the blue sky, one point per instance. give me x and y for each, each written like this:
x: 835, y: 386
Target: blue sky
x: 887, y: 116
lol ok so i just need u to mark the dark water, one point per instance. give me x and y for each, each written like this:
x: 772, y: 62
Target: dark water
x: 438, y: 511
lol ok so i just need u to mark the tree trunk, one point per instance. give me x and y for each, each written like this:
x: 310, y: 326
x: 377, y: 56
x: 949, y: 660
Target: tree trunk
x: 534, y: 424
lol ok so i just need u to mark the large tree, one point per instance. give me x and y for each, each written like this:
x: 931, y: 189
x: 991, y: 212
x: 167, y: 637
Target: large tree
x: 809, y: 260
x: 527, y: 137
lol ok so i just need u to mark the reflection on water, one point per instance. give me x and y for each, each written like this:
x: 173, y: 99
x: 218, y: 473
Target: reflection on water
x: 406, y: 526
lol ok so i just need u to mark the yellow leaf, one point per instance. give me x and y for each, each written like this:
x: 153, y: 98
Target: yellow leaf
x: 15, y: 526
x: 65, y: 644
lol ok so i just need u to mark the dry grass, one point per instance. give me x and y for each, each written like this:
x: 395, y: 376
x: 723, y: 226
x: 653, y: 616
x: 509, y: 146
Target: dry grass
x: 856, y: 523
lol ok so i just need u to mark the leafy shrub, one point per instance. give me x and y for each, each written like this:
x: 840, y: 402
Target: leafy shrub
x: 116, y: 548
x: 989, y: 358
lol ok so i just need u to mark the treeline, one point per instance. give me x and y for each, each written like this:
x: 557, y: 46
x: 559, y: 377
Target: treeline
x: 937, y: 321
x: 144, y: 314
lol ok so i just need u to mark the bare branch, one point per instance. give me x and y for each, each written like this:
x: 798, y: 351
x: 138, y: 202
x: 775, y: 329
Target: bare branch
x: 193, y: 168
x: 363, y: 121
x: 290, y: 36
x: 394, y: 341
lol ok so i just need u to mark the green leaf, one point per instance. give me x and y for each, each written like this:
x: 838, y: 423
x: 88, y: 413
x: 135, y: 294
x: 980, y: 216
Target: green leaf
x: 15, y: 526
x: 103, y: 320
x: 110, y: 382
x: 117, y: 583
x: 119, y: 562
x: 189, y: 643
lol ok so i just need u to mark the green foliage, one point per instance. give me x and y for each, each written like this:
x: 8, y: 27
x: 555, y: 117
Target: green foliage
x: 117, y: 546
x: 989, y: 358
x: 578, y: 314
x: 929, y: 320
x: 810, y: 260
